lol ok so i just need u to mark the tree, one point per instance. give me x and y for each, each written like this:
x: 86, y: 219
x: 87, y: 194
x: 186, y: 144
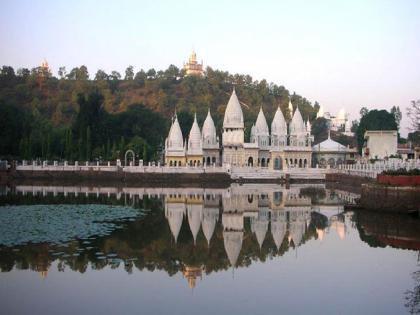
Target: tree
x: 140, y: 77
x: 374, y: 120
x: 88, y: 144
x: 62, y: 73
x: 101, y: 75
x: 151, y: 74
x: 115, y: 75
x: 413, y: 113
x: 79, y: 74
x: 354, y: 125
x: 185, y: 120
x: 320, y: 129
x: 395, y: 110
x: 129, y: 73
x: 363, y: 111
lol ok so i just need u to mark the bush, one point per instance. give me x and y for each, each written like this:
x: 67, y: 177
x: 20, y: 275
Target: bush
x: 402, y: 171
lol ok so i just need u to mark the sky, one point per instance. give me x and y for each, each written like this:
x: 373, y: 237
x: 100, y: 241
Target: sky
x: 343, y: 54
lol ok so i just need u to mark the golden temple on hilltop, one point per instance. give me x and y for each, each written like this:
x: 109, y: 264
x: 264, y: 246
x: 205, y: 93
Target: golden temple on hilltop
x: 192, y: 67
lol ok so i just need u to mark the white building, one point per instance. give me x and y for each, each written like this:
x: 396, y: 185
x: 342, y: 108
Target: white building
x: 332, y: 153
x: 380, y: 144
x: 281, y: 149
x: 339, y: 122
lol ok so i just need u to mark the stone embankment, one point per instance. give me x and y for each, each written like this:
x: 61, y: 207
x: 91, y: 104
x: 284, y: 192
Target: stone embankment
x: 162, y: 174
x: 390, y: 198
x: 396, y: 194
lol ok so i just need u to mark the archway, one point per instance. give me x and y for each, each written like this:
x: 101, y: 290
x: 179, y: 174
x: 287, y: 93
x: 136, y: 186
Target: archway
x: 213, y: 160
x: 126, y: 157
x: 331, y: 162
x: 208, y: 160
x: 250, y: 161
x: 300, y: 163
x: 296, y: 162
x: 263, y: 162
x: 170, y: 163
x: 305, y: 163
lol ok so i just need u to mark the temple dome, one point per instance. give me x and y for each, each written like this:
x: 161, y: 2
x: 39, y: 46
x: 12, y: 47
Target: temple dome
x: 259, y: 227
x: 320, y: 112
x: 233, y: 244
x: 297, y: 125
x: 342, y: 114
x: 175, y: 215
x: 233, y: 115
x: 209, y: 130
x: 290, y: 108
x: 194, y: 139
x: 278, y: 231
x: 329, y: 145
x: 261, y: 123
x: 297, y: 229
x: 278, y: 126
x: 194, y: 219
x: 175, y: 139
x: 208, y: 224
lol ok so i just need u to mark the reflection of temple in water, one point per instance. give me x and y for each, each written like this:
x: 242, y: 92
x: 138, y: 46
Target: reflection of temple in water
x: 282, y: 212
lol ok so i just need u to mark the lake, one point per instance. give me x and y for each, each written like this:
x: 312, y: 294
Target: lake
x: 245, y: 249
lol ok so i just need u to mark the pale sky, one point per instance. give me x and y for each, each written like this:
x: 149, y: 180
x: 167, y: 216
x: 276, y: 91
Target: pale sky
x: 340, y: 53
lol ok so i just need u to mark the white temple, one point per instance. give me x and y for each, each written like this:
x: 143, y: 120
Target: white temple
x: 282, y: 148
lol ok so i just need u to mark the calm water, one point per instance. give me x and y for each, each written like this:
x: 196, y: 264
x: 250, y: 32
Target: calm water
x: 251, y: 249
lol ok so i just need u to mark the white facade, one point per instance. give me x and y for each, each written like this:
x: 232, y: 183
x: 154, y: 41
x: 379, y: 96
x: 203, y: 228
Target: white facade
x: 380, y: 144
x: 280, y: 149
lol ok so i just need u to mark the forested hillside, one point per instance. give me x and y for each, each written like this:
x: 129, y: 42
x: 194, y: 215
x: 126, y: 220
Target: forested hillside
x: 82, y: 116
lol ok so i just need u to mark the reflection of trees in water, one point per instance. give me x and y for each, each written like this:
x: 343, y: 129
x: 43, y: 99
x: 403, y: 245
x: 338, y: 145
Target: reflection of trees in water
x: 397, y: 231
x: 147, y: 244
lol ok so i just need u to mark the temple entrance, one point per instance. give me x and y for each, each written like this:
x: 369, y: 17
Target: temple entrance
x: 250, y: 161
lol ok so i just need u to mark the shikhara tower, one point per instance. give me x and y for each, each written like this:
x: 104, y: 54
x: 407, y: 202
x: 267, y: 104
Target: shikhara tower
x: 287, y: 146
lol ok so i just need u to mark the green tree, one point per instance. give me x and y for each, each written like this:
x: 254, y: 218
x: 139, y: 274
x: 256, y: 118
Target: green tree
x: 363, y: 111
x: 129, y: 73
x: 185, y: 120
x: 101, y: 75
x: 88, y: 144
x: 320, y: 129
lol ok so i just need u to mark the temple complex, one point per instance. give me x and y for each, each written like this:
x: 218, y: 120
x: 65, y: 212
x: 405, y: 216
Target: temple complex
x: 192, y: 67
x: 288, y: 145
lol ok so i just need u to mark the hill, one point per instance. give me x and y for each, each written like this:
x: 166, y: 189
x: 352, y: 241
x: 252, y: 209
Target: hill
x: 39, y: 111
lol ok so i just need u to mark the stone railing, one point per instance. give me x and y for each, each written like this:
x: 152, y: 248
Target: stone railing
x: 151, y: 167
x: 371, y: 170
